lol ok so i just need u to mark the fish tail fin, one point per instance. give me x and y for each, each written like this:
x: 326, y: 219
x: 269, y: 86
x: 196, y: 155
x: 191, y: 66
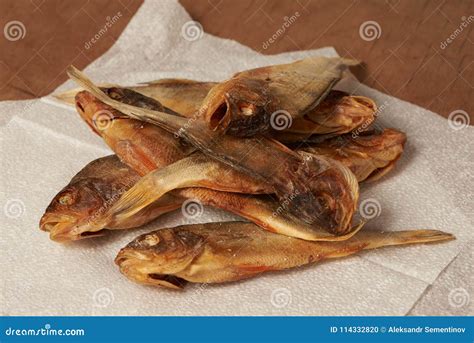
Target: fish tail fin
x: 143, y: 193
x: 381, y: 239
x: 188, y: 172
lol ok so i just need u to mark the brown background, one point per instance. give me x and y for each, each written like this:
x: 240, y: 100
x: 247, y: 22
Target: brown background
x: 405, y: 61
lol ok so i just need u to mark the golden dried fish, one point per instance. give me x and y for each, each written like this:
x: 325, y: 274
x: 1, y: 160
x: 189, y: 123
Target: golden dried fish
x: 323, y: 192
x: 370, y: 155
x: 198, y: 172
x: 223, y: 252
x: 338, y: 113
x: 88, y: 196
x: 180, y: 95
x: 76, y: 211
x: 146, y: 147
x: 243, y: 105
x: 143, y: 155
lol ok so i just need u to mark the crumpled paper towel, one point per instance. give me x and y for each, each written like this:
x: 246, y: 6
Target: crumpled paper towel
x: 44, y: 144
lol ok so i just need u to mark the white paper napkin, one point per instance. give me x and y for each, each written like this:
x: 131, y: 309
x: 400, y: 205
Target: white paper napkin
x: 43, y: 145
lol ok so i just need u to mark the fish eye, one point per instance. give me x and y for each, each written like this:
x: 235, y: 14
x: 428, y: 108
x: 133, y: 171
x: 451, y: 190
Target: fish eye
x: 151, y: 240
x: 66, y: 199
x: 247, y: 109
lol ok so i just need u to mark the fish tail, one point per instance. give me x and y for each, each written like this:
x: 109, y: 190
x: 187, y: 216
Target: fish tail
x: 171, y: 123
x: 146, y: 191
x: 381, y: 239
x: 187, y: 172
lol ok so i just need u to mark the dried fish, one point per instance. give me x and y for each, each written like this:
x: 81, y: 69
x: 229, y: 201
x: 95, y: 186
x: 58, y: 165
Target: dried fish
x: 369, y: 155
x: 180, y: 95
x: 338, y: 113
x: 88, y: 196
x: 324, y: 192
x: 146, y: 147
x: 144, y: 155
x: 224, y: 252
x: 198, y: 172
x: 137, y: 147
x: 243, y: 105
x: 76, y: 211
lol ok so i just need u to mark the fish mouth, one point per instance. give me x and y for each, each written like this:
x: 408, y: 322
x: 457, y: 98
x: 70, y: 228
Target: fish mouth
x: 62, y: 235
x: 165, y: 280
x: 49, y: 221
x: 138, y: 266
x: 63, y: 230
x: 220, y: 116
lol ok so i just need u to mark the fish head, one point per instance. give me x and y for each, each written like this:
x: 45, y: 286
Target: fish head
x: 327, y: 196
x: 383, y: 147
x: 131, y: 97
x: 71, y: 209
x: 240, y: 107
x: 341, y: 113
x: 99, y: 116
x: 158, y: 257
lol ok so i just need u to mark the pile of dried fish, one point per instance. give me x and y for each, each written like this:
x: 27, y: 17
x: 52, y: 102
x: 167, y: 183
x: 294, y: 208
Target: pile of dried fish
x: 276, y: 145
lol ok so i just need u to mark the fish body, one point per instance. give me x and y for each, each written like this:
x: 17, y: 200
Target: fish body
x: 88, y: 206
x: 88, y: 196
x: 337, y: 113
x: 369, y: 155
x: 223, y: 252
x: 244, y: 105
x: 289, y: 174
